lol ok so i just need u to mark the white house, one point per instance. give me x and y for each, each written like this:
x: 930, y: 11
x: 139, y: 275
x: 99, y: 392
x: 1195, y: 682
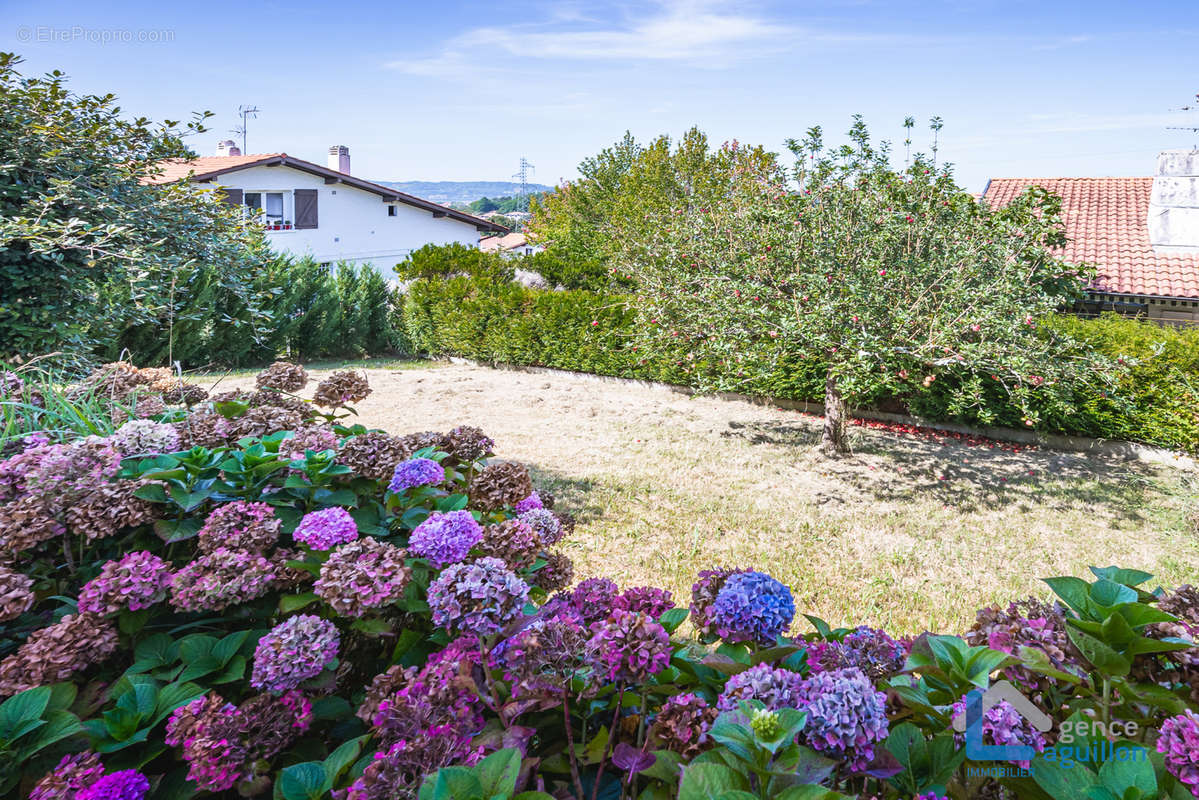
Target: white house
x: 325, y: 212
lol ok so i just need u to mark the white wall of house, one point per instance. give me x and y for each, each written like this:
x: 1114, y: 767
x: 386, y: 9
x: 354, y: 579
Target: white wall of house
x: 352, y: 224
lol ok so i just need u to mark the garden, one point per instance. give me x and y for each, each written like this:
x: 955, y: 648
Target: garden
x: 338, y: 585
x: 249, y: 593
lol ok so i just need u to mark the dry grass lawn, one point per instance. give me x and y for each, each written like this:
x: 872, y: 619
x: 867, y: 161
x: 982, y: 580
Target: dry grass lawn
x: 908, y: 533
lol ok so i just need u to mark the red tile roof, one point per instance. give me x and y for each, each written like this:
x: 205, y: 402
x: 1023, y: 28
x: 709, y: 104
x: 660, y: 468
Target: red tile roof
x: 208, y: 166
x: 1106, y: 225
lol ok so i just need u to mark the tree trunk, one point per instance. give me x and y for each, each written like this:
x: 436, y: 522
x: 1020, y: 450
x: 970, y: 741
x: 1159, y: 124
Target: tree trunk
x: 832, y: 442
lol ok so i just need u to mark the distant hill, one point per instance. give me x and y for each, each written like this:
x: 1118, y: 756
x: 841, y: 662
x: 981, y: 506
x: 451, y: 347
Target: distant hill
x: 461, y: 191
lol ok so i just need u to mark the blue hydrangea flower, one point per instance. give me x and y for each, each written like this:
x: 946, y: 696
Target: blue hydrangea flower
x: 752, y: 606
x: 846, y: 716
x: 416, y: 472
x: 445, y: 538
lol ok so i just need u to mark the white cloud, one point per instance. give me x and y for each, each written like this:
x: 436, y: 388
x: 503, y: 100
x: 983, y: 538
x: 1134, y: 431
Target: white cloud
x: 696, y: 31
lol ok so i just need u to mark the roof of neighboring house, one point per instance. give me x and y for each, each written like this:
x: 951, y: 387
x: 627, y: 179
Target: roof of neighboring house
x: 510, y: 241
x: 206, y: 168
x: 1106, y: 223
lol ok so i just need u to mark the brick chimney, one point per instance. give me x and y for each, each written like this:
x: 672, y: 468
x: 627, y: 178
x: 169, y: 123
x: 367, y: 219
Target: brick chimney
x: 339, y: 158
x: 227, y: 148
x: 1174, y: 203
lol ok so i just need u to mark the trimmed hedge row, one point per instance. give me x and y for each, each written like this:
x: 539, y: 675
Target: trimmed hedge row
x: 1156, y: 402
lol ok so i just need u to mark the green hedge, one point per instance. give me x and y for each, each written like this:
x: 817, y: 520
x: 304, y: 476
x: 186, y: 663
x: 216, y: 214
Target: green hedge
x: 1156, y: 401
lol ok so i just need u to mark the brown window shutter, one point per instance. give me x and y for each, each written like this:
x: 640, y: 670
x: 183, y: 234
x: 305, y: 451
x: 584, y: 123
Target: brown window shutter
x: 305, y: 208
x: 233, y: 196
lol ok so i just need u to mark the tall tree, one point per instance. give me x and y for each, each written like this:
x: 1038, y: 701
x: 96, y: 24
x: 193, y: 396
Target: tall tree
x: 890, y: 278
x: 90, y: 255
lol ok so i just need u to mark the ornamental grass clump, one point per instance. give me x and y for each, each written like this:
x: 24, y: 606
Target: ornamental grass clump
x: 135, y: 581
x: 416, y: 472
x: 480, y: 598
x: 299, y: 648
x: 363, y: 575
x: 445, y: 537
x: 240, y: 525
x: 326, y: 528
x: 752, y: 607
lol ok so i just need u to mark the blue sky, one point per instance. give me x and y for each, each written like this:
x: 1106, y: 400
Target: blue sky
x: 461, y: 90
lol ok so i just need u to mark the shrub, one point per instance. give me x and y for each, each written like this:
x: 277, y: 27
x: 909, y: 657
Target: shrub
x: 279, y: 625
x: 1155, y: 399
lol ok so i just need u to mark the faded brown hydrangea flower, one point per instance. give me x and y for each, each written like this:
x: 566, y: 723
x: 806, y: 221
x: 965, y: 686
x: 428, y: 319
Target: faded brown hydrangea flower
x: 110, y: 508
x: 382, y: 687
x: 413, y: 442
x: 203, y: 429
x: 500, y: 485
x: 372, y: 455
x: 466, y: 444
x: 682, y: 725
x: 557, y: 573
x: 56, y: 653
x: 24, y: 524
x: 363, y: 574
x: 341, y: 388
x: 264, y: 420
x: 177, y: 391
x: 513, y: 541
x: 566, y: 521
x: 115, y: 381
x: 1183, y: 602
x: 16, y: 594
x: 145, y: 407
x: 289, y: 579
x: 269, y: 397
x: 284, y: 376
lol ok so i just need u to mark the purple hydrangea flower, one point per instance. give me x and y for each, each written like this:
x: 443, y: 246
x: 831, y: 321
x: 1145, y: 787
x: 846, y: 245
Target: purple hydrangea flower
x: 293, y: 651
x: 752, y: 606
x: 479, y: 598
x: 445, y: 538
x: 1179, y: 743
x: 594, y: 598
x: 646, y: 599
x: 138, y: 580
x: 545, y: 523
x: 774, y: 688
x: 846, y: 715
x: 869, y: 649
x: 416, y: 472
x: 1002, y: 724
x: 327, y: 528
x: 530, y: 503
x: 629, y: 646
x: 703, y: 597
x: 128, y: 784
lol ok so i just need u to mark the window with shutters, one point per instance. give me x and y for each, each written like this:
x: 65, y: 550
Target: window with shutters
x: 276, y: 209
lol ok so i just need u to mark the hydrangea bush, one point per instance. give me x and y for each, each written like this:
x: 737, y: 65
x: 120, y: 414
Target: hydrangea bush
x: 220, y: 611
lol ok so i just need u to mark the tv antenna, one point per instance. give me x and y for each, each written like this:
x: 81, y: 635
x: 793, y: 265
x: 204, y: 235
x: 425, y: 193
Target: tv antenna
x: 1191, y: 107
x: 246, y: 112
x: 523, y: 176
